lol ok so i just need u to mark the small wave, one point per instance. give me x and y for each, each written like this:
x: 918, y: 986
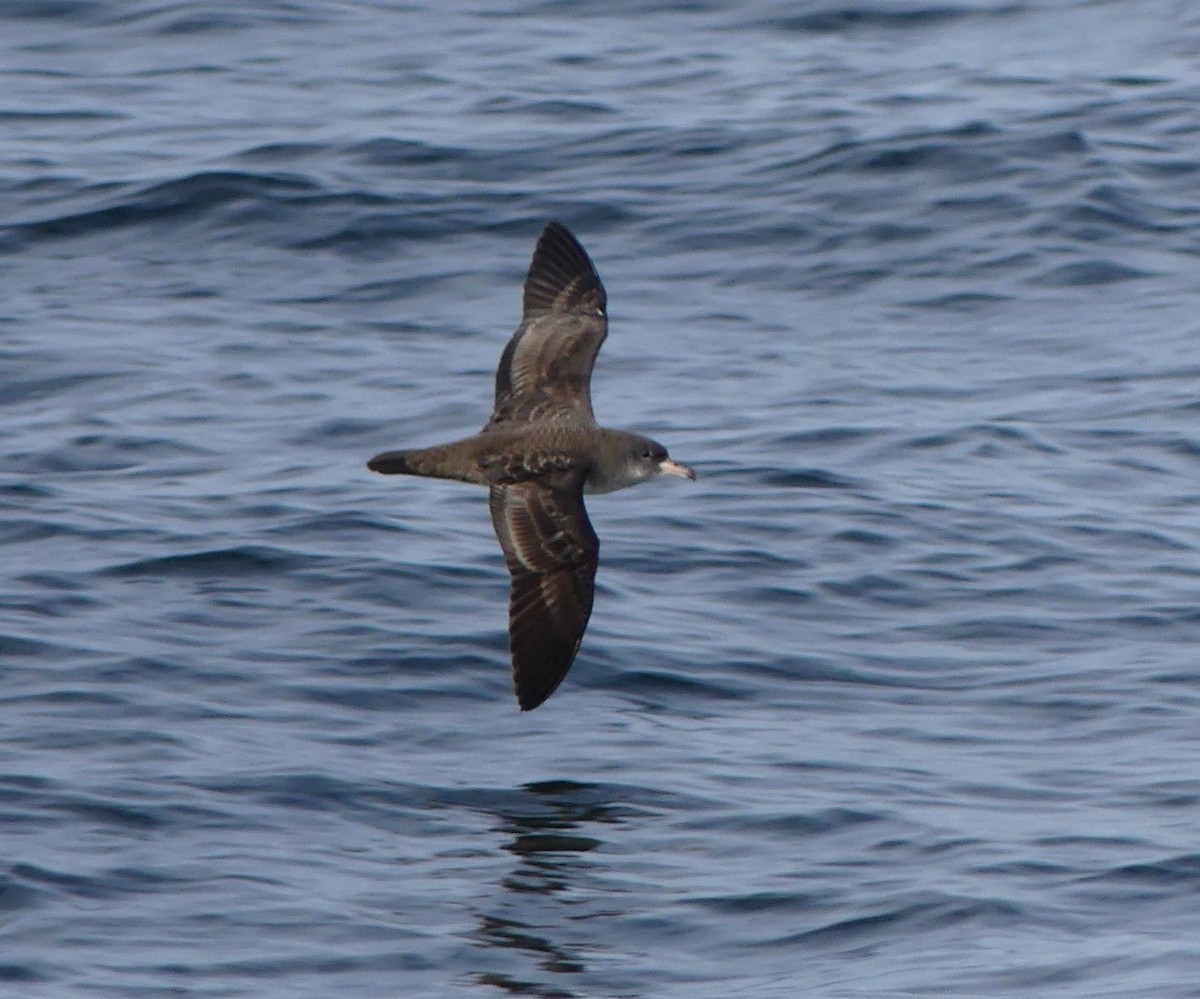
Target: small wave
x: 668, y: 686
x: 109, y: 453
x: 66, y: 117
x: 806, y: 478
x: 172, y: 200
x: 834, y: 437
x: 19, y: 390
x: 960, y: 302
x: 899, y: 919
x: 1087, y: 273
x: 54, y: 10
x: 984, y: 440
x: 14, y: 645
x: 791, y: 826
x: 1180, y: 872
x: 239, y: 561
x: 845, y: 19
x: 25, y: 973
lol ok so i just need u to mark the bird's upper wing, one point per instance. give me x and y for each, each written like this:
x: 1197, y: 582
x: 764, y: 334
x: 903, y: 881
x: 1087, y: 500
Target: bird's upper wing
x: 545, y: 371
x: 551, y: 551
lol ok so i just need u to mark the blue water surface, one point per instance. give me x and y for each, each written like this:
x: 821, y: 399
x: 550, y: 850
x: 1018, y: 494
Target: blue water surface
x: 901, y: 698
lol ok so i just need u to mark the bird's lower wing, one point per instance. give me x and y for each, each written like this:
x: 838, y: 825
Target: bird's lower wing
x: 551, y: 551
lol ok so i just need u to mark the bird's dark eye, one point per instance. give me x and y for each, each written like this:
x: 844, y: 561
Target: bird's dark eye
x: 647, y: 453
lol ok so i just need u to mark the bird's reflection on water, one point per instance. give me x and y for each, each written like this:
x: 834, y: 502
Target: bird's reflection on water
x: 551, y: 887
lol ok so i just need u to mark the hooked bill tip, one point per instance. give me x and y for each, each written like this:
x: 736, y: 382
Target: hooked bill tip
x: 669, y: 467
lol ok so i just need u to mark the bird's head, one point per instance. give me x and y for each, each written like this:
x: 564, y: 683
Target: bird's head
x: 626, y: 459
x: 646, y: 459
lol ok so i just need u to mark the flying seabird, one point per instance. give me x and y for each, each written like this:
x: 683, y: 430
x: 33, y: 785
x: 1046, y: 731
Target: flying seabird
x: 540, y: 452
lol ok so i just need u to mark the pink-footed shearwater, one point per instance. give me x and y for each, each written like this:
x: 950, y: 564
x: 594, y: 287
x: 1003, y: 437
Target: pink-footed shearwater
x: 538, y: 454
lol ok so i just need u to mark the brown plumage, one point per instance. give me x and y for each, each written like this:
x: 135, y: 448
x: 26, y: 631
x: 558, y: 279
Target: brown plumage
x: 538, y: 454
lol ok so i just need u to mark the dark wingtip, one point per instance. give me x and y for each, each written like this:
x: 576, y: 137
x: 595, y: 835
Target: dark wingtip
x: 533, y: 686
x: 530, y: 699
x: 561, y: 276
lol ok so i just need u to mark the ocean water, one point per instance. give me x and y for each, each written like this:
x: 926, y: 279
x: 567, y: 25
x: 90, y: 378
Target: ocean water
x: 901, y: 698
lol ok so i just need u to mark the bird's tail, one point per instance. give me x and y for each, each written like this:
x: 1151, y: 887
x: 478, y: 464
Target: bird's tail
x: 392, y: 463
x: 445, y: 461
